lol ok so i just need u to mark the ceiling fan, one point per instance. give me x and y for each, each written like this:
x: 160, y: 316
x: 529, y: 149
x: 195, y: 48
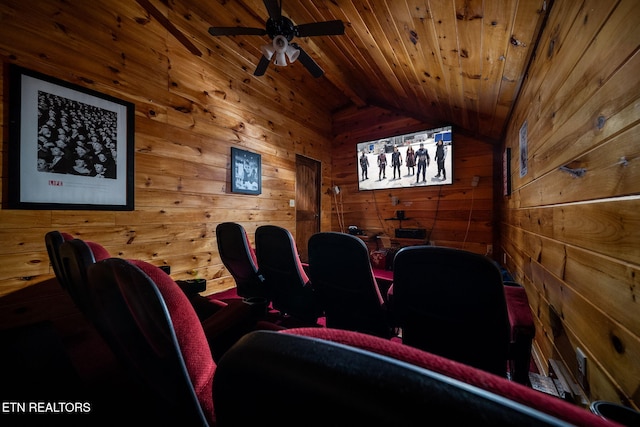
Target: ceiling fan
x: 281, y: 31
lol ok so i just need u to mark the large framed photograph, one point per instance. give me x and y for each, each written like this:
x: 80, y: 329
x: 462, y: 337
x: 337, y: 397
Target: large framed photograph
x: 246, y: 172
x: 69, y: 147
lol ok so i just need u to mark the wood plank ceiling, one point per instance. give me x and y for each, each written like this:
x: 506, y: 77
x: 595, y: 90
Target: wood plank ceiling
x: 459, y: 62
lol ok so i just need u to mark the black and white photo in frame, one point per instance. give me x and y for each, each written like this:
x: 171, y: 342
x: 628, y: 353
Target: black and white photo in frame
x: 70, y: 147
x: 246, y: 172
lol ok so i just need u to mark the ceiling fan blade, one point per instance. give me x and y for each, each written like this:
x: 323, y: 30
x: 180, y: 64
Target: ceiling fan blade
x: 146, y: 5
x: 237, y: 31
x: 308, y: 62
x: 262, y: 66
x: 274, y: 8
x: 325, y: 28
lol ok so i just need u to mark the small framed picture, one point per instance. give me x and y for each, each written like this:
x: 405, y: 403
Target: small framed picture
x: 524, y: 150
x: 69, y: 147
x: 246, y: 172
x: 506, y: 172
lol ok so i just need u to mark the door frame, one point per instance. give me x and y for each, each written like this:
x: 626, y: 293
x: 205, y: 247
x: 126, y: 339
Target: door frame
x: 301, y: 241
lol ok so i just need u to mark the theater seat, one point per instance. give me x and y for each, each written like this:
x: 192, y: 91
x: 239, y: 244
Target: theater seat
x: 238, y: 256
x: 343, y: 280
x: 157, y: 335
x: 452, y: 303
x: 53, y: 240
x: 289, y: 288
x: 223, y: 324
x: 75, y: 256
x: 327, y: 377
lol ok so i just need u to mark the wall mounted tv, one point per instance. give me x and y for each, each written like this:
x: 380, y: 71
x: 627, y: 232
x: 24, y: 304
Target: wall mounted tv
x: 438, y: 170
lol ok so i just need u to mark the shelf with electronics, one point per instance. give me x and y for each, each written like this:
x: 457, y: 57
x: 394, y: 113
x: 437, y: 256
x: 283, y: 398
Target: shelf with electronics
x: 383, y: 241
x: 409, y: 236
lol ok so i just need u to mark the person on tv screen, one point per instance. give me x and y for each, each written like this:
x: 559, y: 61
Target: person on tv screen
x: 396, y: 162
x: 441, y: 154
x: 410, y: 161
x: 422, y: 155
x: 382, y: 165
x: 364, y: 165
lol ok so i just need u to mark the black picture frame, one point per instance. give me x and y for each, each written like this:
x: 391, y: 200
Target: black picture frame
x: 524, y: 150
x: 92, y: 167
x: 506, y: 172
x: 246, y: 172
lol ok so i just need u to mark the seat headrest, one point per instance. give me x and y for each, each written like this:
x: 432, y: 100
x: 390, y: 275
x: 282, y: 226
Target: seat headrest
x: 99, y: 251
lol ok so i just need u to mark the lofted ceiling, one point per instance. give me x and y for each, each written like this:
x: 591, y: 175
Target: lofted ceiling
x: 459, y: 62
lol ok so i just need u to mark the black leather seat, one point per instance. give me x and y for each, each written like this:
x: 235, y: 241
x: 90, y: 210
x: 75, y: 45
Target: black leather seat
x: 238, y: 256
x: 289, y: 287
x: 362, y: 380
x: 451, y: 302
x: 342, y: 276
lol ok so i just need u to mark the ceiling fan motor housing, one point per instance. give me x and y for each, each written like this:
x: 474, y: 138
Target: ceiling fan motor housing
x: 281, y: 27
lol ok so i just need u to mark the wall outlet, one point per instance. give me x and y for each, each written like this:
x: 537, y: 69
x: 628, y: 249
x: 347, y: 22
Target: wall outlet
x: 475, y: 181
x: 489, y: 249
x: 581, y: 359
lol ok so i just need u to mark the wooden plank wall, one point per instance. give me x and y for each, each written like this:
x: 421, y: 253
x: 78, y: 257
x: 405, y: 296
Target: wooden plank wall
x: 574, y: 241
x: 457, y: 215
x: 189, y: 112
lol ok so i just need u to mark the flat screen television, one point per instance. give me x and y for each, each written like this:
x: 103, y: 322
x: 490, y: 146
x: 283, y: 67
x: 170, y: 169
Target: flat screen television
x: 432, y: 165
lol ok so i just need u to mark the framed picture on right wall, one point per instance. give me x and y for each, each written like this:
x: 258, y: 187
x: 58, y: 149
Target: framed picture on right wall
x: 524, y: 150
x: 506, y: 172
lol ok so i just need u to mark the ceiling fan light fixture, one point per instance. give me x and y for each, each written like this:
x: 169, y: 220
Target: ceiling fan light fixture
x: 280, y: 43
x: 284, y: 50
x: 292, y: 53
x: 281, y: 59
x: 281, y: 30
x: 267, y: 50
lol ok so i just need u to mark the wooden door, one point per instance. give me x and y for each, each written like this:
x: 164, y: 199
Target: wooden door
x: 307, y: 202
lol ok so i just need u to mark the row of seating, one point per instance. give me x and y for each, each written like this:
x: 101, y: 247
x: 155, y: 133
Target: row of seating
x: 223, y: 321
x: 311, y: 376
x: 447, y: 301
x: 333, y: 377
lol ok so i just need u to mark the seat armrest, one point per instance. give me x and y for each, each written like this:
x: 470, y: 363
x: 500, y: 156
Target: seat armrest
x: 192, y: 286
x: 227, y: 325
x: 520, y: 316
x: 522, y: 331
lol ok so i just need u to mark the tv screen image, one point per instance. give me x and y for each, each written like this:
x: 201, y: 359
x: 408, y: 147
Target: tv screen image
x: 387, y: 163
